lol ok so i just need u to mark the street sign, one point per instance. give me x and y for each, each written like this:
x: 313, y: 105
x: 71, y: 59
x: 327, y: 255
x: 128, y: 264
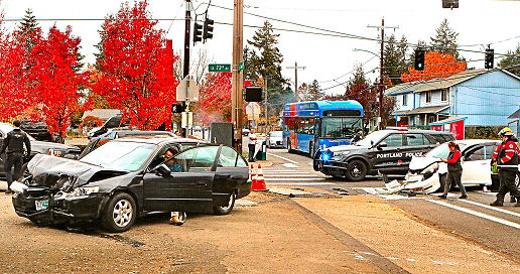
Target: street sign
x: 219, y: 68
x: 241, y: 67
x: 253, y: 111
x: 187, y: 90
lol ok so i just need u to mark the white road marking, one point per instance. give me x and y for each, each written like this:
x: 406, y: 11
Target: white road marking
x: 290, y: 165
x: 300, y: 184
x: 292, y: 176
x: 477, y: 214
x: 283, y: 158
x: 285, y: 170
x: 294, y: 179
x: 497, y: 209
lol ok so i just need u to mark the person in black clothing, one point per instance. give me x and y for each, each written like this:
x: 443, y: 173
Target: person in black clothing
x: 507, y: 159
x: 454, y: 171
x: 14, y: 144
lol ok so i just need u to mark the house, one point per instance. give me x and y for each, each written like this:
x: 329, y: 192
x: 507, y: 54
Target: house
x: 103, y: 114
x: 479, y: 97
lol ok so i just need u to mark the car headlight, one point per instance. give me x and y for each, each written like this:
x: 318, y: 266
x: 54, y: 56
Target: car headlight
x: 326, y: 155
x: 79, y: 192
x: 430, y: 170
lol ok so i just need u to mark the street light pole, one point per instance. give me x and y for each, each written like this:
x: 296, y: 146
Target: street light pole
x: 296, y: 67
x: 186, y: 69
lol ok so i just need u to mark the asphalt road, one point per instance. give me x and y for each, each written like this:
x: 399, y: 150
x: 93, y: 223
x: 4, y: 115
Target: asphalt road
x: 495, y: 229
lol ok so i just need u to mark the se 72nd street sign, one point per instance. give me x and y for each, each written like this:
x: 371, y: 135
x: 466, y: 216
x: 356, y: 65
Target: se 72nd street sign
x: 219, y: 68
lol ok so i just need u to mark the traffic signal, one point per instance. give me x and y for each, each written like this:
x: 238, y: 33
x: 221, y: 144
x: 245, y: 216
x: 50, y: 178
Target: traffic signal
x: 197, y: 34
x: 450, y: 4
x: 208, y: 29
x: 419, y: 59
x: 489, y: 59
x: 253, y: 94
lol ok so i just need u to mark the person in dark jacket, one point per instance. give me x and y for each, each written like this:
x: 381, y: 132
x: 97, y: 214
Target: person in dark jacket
x: 454, y: 171
x: 506, y: 157
x: 14, y: 144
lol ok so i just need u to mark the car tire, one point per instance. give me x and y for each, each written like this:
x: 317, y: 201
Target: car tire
x: 224, y: 210
x: 120, y: 213
x: 178, y: 218
x: 356, y: 170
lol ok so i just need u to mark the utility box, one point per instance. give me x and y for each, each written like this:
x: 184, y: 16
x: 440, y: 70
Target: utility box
x: 222, y: 133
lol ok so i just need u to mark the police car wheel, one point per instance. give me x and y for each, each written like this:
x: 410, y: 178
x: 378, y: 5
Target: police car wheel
x: 356, y: 170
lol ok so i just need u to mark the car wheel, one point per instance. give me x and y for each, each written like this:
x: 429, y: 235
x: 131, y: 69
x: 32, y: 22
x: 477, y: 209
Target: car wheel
x: 120, y: 213
x: 224, y: 210
x: 178, y: 218
x: 356, y: 170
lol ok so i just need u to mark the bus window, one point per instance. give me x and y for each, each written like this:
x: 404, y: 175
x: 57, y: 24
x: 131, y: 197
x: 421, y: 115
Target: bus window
x: 338, y: 127
x: 306, y: 126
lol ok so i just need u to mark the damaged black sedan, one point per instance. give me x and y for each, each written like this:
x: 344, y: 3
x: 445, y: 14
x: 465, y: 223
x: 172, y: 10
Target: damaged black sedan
x: 129, y: 178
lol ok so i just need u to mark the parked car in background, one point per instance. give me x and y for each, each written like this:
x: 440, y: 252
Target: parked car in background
x: 116, y: 133
x: 428, y: 174
x: 37, y: 129
x: 386, y: 151
x: 38, y: 147
x: 113, y: 122
x: 129, y: 178
x: 275, y: 139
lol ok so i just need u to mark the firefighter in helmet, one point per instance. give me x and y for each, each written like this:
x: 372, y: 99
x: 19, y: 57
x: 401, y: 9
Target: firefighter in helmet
x: 506, y: 157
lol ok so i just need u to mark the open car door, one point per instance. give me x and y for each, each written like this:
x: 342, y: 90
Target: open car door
x: 187, y: 186
x: 231, y: 176
x: 476, y: 165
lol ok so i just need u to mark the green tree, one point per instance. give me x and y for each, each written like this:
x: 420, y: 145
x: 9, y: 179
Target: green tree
x: 395, y: 58
x: 445, y: 40
x: 263, y: 61
x: 511, y: 62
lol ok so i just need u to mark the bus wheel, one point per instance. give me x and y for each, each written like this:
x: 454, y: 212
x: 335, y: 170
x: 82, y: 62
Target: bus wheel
x: 356, y: 170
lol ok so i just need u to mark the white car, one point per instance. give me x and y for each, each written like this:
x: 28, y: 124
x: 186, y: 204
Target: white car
x: 275, y: 139
x: 428, y: 174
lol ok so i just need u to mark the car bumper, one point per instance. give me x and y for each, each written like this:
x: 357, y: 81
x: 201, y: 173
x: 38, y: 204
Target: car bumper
x: 419, y: 183
x: 330, y: 167
x: 61, y: 210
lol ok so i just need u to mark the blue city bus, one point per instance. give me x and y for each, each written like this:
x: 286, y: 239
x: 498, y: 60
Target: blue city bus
x: 308, y: 126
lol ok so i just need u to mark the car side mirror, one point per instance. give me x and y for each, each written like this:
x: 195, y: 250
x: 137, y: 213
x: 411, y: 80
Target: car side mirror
x: 162, y: 170
x: 382, y: 145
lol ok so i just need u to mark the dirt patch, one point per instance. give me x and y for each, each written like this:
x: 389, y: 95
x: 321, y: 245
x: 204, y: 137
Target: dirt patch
x: 408, y: 243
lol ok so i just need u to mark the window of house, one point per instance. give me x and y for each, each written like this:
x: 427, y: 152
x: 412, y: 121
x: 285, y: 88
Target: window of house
x: 428, y: 97
x: 444, y: 95
x: 405, y: 99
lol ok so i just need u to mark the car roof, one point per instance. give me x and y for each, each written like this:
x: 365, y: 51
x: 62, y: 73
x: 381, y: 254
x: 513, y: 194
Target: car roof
x: 157, y: 140
x: 415, y: 131
x: 470, y: 142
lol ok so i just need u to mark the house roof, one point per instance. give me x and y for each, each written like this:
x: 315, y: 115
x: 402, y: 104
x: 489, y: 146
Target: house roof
x: 423, y: 110
x: 515, y: 115
x: 103, y: 114
x: 435, y: 84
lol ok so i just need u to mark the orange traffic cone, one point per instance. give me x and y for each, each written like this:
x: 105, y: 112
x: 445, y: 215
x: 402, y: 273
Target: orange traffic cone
x: 259, y: 182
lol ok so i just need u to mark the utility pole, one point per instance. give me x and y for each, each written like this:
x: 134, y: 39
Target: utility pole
x: 186, y: 69
x: 296, y: 67
x: 237, y: 100
x: 381, y: 70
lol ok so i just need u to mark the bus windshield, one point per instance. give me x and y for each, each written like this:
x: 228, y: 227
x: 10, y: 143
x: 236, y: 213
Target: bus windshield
x: 340, y: 127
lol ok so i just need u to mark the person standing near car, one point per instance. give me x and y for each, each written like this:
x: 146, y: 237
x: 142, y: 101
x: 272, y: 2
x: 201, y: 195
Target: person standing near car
x: 506, y: 157
x: 14, y: 144
x: 252, y: 145
x: 454, y: 171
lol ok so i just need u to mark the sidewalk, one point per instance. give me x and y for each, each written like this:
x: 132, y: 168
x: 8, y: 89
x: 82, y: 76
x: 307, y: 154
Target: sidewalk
x: 395, y: 236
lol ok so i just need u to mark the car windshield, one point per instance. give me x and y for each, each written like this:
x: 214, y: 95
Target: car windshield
x: 276, y: 134
x: 5, y: 128
x: 442, y: 151
x: 340, y: 127
x: 372, y: 138
x: 124, y: 156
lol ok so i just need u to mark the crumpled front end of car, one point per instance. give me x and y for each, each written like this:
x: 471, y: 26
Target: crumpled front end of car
x: 50, y: 198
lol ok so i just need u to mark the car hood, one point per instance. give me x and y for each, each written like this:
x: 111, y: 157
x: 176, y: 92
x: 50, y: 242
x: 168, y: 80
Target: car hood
x: 43, y: 147
x: 346, y: 147
x: 48, y: 170
x: 420, y: 163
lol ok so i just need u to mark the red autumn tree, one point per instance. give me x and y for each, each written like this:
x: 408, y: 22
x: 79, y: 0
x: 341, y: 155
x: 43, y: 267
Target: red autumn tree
x: 436, y: 65
x: 57, y: 85
x: 215, y: 98
x: 136, y: 67
x: 15, y: 85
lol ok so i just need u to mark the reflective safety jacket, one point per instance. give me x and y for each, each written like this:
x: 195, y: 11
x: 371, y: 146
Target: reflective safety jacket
x: 507, y: 153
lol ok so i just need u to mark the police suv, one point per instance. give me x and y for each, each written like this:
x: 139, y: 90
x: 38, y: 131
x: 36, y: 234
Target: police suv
x: 386, y: 151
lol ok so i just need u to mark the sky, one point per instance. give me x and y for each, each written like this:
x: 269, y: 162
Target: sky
x: 329, y: 60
